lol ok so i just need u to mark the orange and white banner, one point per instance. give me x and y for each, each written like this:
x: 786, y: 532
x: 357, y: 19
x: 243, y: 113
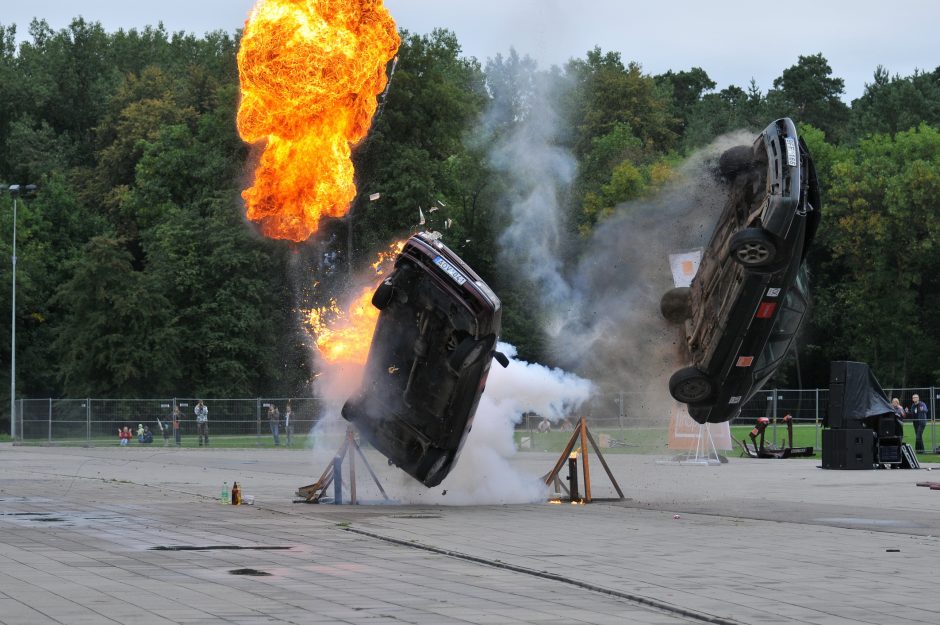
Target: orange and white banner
x: 684, y: 266
x: 684, y: 432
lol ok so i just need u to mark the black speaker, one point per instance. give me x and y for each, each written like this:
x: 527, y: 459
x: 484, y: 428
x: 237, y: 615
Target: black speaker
x: 888, y: 427
x: 838, y: 371
x: 836, y: 405
x: 854, y: 394
x: 848, y: 449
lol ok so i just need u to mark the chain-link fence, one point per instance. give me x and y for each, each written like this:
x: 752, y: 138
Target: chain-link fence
x: 807, y: 407
x: 245, y: 421
x: 97, y: 421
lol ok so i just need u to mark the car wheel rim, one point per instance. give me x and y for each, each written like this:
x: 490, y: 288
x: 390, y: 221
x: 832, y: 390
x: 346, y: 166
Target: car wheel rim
x: 753, y: 253
x: 695, y: 390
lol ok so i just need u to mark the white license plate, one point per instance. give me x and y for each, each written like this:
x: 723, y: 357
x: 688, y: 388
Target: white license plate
x: 791, y: 151
x: 450, y: 270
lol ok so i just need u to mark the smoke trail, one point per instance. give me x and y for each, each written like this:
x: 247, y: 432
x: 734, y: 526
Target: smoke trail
x: 619, y: 337
x: 538, y: 174
x: 602, y: 312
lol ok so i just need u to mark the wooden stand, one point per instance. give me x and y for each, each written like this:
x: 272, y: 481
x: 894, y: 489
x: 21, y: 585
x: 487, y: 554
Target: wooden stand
x: 312, y: 493
x: 580, y: 432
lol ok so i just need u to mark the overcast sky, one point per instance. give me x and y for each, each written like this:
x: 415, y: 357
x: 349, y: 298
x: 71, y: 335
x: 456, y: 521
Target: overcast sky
x: 732, y: 40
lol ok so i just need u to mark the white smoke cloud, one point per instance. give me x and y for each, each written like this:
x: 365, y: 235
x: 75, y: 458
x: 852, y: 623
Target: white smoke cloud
x: 538, y: 174
x: 483, y: 473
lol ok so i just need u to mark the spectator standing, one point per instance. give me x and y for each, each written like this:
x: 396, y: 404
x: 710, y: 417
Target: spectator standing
x: 289, y: 423
x: 202, y: 422
x: 165, y: 427
x: 177, y: 431
x: 274, y: 420
x: 918, y: 414
x: 897, y: 408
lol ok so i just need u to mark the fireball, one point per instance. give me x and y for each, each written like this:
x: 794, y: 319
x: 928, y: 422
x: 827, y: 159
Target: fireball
x: 310, y: 71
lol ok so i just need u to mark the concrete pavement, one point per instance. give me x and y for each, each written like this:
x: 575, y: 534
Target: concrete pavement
x: 756, y: 542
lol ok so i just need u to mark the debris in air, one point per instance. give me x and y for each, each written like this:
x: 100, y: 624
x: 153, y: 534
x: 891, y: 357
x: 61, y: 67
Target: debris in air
x: 374, y: 196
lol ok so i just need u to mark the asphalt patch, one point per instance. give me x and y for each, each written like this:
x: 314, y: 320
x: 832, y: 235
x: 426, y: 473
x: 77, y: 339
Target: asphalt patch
x: 249, y: 572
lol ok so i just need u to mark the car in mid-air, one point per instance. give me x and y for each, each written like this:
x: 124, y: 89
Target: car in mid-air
x: 428, y: 361
x: 746, y: 302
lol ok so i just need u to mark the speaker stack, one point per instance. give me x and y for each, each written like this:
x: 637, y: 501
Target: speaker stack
x: 846, y: 445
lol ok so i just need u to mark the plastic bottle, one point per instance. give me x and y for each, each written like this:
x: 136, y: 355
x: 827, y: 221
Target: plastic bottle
x: 224, y: 495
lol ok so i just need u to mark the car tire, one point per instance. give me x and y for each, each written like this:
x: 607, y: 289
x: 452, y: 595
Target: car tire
x: 383, y: 294
x: 675, y: 305
x: 753, y: 247
x: 691, y: 386
x: 735, y: 160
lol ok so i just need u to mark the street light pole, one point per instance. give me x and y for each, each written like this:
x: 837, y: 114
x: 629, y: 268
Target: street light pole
x: 14, y: 191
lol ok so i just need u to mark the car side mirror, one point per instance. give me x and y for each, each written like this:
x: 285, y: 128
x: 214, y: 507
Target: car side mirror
x: 501, y: 359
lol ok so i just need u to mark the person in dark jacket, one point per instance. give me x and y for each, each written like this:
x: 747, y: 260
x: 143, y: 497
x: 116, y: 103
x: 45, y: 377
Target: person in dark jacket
x: 918, y: 414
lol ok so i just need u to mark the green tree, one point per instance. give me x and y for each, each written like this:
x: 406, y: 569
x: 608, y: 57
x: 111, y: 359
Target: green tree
x: 608, y: 93
x: 892, y: 104
x: 118, y: 335
x: 877, y: 301
x: 688, y: 88
x: 809, y: 93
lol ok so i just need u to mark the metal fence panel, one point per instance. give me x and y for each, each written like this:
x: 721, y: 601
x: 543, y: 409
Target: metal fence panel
x: 98, y: 420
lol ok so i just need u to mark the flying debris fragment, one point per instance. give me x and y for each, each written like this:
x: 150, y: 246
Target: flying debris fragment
x: 374, y: 196
x: 447, y: 223
x: 437, y: 331
x: 421, y: 220
x: 748, y: 298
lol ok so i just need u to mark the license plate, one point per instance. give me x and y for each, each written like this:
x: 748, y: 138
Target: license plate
x: 450, y: 270
x: 791, y: 151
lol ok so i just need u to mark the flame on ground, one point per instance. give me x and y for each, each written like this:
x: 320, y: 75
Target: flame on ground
x: 310, y: 71
x: 344, y: 334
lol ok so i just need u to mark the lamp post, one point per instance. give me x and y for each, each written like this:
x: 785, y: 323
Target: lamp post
x: 15, y: 191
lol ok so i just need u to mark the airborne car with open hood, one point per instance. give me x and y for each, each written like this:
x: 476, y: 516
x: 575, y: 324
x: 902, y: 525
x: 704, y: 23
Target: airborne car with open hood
x: 745, y: 304
x: 429, y: 359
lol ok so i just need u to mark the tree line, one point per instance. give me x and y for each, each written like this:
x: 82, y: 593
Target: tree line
x: 137, y: 275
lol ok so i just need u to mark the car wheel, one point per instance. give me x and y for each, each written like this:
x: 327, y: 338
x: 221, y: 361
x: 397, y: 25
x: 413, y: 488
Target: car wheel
x: 383, y: 294
x: 691, y: 386
x: 752, y: 247
x: 735, y: 160
x: 675, y: 305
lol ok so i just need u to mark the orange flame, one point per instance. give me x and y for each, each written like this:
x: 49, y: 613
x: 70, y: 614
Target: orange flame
x: 310, y: 71
x: 343, y: 335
